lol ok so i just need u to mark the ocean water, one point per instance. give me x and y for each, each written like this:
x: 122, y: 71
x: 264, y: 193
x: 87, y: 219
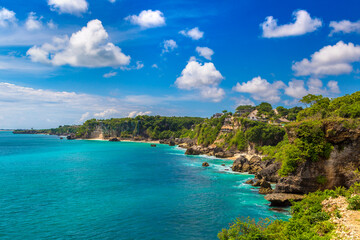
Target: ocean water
x: 79, y: 189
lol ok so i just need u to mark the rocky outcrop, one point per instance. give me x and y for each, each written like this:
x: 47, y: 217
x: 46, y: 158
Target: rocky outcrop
x: 340, y: 169
x: 266, y: 170
x: 225, y: 154
x: 114, y: 140
x: 193, y: 151
x: 205, y: 164
x: 264, y: 191
x: 270, y: 172
x: 71, y: 137
x: 282, y: 199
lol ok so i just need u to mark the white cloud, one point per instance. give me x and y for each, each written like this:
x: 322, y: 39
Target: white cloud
x: 194, y: 34
x: 7, y: 17
x: 261, y: 90
x: 136, y: 113
x: 112, y: 1
x: 297, y: 89
x: 155, y: 66
x: 26, y: 107
x: 139, y: 65
x: 86, y: 48
x: 84, y: 117
x: 107, y: 113
x: 148, y: 19
x: 213, y: 94
x: 303, y: 24
x: 33, y: 22
x: 51, y: 24
x: 205, y: 52
x: 333, y: 87
x: 243, y: 101
x: 344, y: 26
x: 203, y: 77
x: 330, y: 60
x: 110, y: 74
x: 75, y: 7
x: 169, y: 45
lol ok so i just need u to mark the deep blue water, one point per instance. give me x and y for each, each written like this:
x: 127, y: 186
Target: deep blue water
x: 61, y: 189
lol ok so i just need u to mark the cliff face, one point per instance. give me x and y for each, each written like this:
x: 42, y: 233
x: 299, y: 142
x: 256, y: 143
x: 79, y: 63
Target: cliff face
x: 340, y: 169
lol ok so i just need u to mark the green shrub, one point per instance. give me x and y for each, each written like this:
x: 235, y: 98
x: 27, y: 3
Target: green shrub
x: 354, y: 202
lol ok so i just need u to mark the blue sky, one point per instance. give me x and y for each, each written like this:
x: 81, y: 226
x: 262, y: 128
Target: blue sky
x: 65, y: 61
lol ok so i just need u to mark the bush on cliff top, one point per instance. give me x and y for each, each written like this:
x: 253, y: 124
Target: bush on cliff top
x: 347, y: 106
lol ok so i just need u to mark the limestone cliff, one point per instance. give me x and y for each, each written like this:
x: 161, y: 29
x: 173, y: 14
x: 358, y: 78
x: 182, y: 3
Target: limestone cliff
x: 340, y: 169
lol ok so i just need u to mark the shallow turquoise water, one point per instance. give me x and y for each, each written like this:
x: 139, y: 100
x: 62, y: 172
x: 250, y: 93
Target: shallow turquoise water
x: 60, y: 189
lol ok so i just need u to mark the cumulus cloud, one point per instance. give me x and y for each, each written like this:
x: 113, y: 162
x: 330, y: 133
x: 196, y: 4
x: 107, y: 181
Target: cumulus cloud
x: 154, y: 65
x: 344, y: 26
x: 205, y: 52
x: 84, y: 117
x: 136, y: 113
x: 148, y: 19
x: 7, y: 17
x: 75, y: 7
x: 243, y: 101
x: 88, y: 47
x: 203, y: 77
x: 260, y: 89
x: 107, y: 113
x: 169, y: 45
x: 33, y: 22
x: 194, y: 34
x: 297, y: 88
x: 330, y: 60
x: 110, y: 74
x: 303, y: 23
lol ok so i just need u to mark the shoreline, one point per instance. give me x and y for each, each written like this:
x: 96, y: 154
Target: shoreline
x: 125, y: 140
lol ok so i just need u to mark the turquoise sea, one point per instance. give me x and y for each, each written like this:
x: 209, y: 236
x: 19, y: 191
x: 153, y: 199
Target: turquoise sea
x: 79, y: 189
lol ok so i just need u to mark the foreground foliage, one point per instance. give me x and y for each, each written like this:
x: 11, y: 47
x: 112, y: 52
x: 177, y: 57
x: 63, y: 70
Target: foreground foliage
x: 308, y: 220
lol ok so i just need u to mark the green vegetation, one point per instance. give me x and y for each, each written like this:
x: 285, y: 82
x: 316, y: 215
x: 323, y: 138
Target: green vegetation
x: 289, y: 114
x: 308, y: 221
x: 207, y: 131
x: 154, y: 127
x: 61, y: 130
x: 321, y: 107
x: 354, y: 202
x: 310, y: 144
x: 265, y: 109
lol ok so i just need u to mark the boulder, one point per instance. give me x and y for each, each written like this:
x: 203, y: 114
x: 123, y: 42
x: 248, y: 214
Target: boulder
x: 183, y: 145
x: 270, y: 172
x: 193, y: 151
x: 282, y: 199
x: 264, y: 191
x: 171, y: 143
x: 262, y: 183
x: 238, y: 164
x: 71, y: 136
x: 205, y: 164
x: 250, y: 181
x: 114, y: 139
